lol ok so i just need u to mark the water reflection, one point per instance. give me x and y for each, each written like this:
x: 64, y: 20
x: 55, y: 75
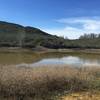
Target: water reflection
x: 35, y: 59
x: 68, y: 60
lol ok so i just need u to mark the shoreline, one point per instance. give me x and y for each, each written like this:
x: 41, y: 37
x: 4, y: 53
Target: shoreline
x: 47, y: 50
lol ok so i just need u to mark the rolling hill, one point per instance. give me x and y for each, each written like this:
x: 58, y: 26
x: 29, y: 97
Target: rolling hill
x: 15, y: 35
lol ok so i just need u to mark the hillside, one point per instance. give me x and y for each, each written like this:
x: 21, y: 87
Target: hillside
x: 14, y: 35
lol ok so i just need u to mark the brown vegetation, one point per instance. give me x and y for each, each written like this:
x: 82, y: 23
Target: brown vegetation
x: 82, y: 96
x: 46, y: 82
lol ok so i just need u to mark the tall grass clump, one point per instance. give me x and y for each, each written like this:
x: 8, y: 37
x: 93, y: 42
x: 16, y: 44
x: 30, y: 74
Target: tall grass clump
x: 41, y: 83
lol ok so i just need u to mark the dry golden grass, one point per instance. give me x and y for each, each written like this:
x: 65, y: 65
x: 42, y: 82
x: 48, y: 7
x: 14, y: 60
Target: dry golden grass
x: 82, y: 96
x: 40, y: 82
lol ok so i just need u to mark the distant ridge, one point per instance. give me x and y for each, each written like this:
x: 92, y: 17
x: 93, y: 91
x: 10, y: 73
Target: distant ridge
x: 15, y: 35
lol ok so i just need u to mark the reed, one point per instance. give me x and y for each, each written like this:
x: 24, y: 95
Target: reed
x: 42, y: 82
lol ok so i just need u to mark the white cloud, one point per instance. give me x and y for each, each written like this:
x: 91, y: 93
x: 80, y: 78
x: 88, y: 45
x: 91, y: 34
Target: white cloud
x: 74, y: 27
x: 69, y: 32
x: 92, y: 26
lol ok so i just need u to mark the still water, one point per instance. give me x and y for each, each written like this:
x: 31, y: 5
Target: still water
x: 36, y: 59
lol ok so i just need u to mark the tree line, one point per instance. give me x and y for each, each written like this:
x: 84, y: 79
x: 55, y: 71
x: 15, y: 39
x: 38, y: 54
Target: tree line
x: 14, y: 35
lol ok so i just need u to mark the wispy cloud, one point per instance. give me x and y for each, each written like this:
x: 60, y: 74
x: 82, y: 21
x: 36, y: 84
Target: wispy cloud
x: 74, y: 27
x: 88, y: 24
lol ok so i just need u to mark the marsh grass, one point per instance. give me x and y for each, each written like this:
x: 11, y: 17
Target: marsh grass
x: 43, y: 83
x: 82, y: 96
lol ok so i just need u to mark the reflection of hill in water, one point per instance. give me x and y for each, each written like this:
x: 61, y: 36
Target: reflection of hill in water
x: 19, y: 58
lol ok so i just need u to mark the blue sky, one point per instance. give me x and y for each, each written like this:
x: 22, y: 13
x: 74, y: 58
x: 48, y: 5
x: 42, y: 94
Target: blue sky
x: 68, y: 18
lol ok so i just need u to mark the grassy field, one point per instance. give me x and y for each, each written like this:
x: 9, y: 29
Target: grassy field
x: 46, y: 83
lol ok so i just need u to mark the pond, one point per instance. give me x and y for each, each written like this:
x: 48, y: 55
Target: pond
x: 55, y: 58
